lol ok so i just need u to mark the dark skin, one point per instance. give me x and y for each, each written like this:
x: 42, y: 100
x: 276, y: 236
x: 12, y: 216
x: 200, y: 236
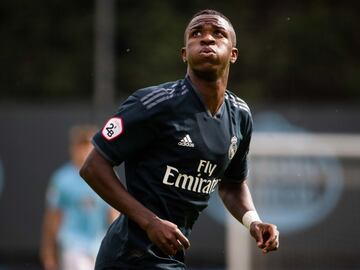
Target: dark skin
x: 209, y: 50
x: 237, y: 199
x: 99, y: 174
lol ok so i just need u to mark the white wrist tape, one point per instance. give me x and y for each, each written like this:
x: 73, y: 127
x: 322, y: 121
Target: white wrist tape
x: 249, y: 217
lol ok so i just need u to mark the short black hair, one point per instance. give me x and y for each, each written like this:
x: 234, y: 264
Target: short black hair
x: 211, y: 12
x: 216, y: 13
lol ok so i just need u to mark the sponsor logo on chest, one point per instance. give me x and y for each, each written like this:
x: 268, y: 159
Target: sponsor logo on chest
x: 196, y: 183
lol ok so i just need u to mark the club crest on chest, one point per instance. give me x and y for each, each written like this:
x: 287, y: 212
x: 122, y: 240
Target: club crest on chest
x: 232, y: 147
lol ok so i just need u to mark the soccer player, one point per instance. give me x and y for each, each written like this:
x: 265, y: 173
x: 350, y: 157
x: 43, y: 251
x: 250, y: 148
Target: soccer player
x: 179, y: 141
x: 76, y: 218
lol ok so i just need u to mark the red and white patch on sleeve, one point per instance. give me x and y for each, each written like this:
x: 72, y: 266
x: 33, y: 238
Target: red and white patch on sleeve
x: 113, y: 128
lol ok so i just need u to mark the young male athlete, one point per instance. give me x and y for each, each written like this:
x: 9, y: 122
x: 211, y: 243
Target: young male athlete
x: 179, y: 141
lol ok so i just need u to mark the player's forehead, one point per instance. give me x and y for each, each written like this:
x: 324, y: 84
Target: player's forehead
x: 209, y: 19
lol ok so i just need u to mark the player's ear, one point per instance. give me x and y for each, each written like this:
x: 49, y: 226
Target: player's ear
x: 183, y: 54
x: 234, y: 55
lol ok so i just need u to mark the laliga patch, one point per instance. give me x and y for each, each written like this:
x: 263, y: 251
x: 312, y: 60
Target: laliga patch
x: 113, y: 128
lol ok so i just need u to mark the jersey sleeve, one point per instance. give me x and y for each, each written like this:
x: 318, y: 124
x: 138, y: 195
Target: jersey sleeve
x: 126, y: 133
x: 238, y: 168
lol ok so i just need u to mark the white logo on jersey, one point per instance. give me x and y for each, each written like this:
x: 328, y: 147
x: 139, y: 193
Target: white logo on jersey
x: 203, y: 182
x: 186, y: 141
x: 113, y: 128
x: 232, y: 147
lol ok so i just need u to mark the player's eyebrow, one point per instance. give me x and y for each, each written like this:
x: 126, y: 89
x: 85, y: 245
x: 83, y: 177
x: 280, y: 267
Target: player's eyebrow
x: 203, y: 21
x: 200, y: 26
x: 199, y: 23
x: 218, y: 23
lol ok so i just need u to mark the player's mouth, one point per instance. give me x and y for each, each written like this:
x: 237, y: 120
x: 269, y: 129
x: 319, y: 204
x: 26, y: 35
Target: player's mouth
x: 207, y: 51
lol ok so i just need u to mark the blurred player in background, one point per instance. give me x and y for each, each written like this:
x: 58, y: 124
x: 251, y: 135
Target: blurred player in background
x: 179, y: 140
x: 76, y: 218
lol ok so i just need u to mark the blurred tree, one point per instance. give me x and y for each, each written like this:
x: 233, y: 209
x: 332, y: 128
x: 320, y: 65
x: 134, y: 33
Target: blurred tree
x: 289, y: 51
x: 46, y: 49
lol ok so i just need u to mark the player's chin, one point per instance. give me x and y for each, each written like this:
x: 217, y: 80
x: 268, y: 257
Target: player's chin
x: 209, y: 66
x: 207, y: 73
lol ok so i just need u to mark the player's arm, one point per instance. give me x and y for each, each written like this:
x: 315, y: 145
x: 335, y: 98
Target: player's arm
x: 48, y: 246
x: 237, y: 199
x: 99, y: 174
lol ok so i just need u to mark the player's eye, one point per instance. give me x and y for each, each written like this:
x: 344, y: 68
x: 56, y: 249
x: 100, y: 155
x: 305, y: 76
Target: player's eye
x: 196, y: 33
x: 219, y: 33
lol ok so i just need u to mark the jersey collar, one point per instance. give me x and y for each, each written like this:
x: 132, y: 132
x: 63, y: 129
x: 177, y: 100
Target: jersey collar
x: 220, y: 111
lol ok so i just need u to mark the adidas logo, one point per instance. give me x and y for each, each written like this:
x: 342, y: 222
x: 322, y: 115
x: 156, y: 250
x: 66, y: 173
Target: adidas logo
x: 186, y: 141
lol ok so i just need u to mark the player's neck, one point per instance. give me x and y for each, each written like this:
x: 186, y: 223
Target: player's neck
x: 212, y: 91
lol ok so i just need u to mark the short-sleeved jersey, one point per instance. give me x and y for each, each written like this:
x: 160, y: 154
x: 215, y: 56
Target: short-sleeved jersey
x: 84, y: 213
x: 175, y: 154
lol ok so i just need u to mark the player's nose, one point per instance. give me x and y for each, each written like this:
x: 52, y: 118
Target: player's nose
x: 207, y: 38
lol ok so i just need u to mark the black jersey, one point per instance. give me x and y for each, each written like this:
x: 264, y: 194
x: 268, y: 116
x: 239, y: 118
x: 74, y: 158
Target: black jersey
x: 175, y: 154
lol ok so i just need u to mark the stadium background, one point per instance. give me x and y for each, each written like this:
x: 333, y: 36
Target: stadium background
x: 70, y: 62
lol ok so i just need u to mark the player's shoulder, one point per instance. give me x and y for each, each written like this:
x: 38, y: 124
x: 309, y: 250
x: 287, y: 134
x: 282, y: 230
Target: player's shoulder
x: 162, y: 94
x: 237, y: 103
